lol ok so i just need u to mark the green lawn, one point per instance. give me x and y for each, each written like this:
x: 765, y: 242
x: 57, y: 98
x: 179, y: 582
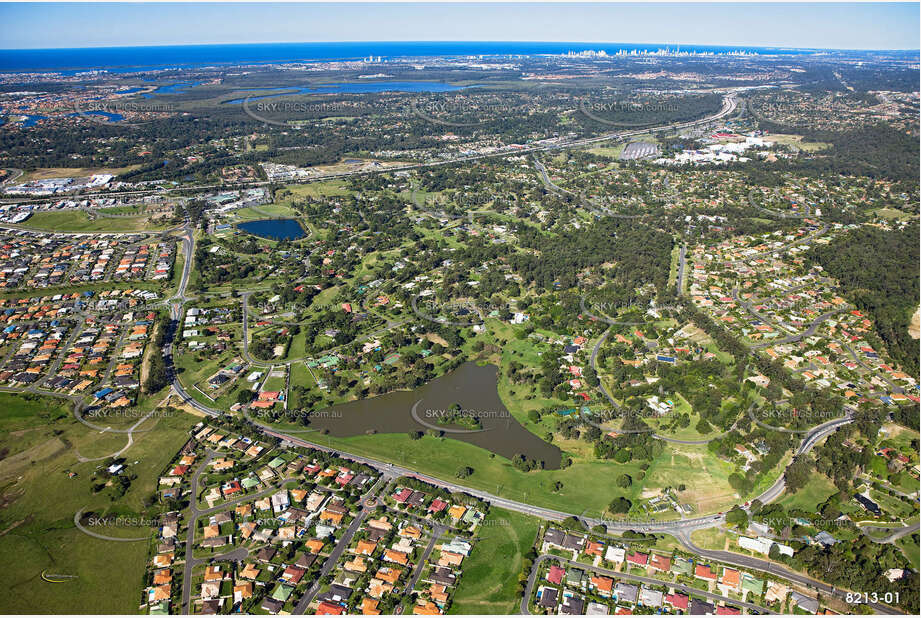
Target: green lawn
x: 586, y: 484
x: 816, y: 491
x: 277, y: 211
x: 78, y: 221
x: 910, y: 548
x: 36, y: 524
x: 489, y: 584
x: 711, y: 538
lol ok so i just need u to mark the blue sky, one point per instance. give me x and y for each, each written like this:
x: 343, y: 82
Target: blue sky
x: 823, y: 25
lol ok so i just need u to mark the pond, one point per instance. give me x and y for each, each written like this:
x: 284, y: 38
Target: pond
x: 276, y: 229
x: 177, y: 88
x: 471, y: 386
x: 349, y: 88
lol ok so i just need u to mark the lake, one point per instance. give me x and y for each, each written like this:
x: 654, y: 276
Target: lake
x: 276, y: 229
x: 470, y: 385
x: 177, y: 88
x: 348, y: 87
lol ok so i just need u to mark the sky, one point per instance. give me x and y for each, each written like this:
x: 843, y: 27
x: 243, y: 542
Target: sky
x: 816, y: 25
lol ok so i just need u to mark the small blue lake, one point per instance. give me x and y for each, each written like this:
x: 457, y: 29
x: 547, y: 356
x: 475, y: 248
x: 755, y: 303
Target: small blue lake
x: 30, y: 120
x: 349, y: 88
x: 276, y: 229
x: 111, y: 116
x: 176, y: 88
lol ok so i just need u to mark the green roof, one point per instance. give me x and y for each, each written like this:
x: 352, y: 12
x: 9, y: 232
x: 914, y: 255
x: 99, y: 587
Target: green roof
x: 276, y: 462
x: 574, y: 576
x: 249, y: 482
x: 682, y: 566
x: 282, y: 592
x: 752, y: 584
x: 470, y: 516
x: 160, y: 609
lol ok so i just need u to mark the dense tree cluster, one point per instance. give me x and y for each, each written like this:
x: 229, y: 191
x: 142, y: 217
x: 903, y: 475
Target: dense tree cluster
x: 878, y: 271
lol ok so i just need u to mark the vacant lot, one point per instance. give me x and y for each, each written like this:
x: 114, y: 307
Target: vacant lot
x: 39, y: 500
x: 489, y: 583
x: 79, y: 221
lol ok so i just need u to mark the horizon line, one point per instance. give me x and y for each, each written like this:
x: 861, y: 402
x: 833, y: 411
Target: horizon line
x: 352, y: 42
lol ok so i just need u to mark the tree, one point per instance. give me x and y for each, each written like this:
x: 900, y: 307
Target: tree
x: 774, y: 552
x: 737, y: 517
x: 624, y: 481
x: 464, y: 472
x: 703, y: 426
x: 797, y: 474
x: 620, y: 505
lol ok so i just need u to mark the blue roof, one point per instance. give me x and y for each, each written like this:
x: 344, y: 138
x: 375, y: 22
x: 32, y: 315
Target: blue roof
x: 102, y: 393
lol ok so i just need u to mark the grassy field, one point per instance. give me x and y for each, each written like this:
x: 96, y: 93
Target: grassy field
x: 796, y: 141
x: 816, y: 491
x: 329, y: 188
x: 489, y: 585
x: 710, y: 538
x: 608, y: 151
x: 40, y: 499
x: 275, y: 211
x: 586, y: 484
x: 911, y: 550
x: 892, y: 214
x: 78, y: 221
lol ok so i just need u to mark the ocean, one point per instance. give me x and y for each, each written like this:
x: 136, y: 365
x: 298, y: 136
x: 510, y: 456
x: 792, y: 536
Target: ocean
x: 129, y: 59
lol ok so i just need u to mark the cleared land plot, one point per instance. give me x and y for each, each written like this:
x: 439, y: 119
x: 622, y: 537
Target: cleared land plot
x: 490, y: 578
x: 39, y: 506
x: 79, y: 221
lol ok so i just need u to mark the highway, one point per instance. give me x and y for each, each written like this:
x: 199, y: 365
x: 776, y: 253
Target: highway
x: 729, y: 106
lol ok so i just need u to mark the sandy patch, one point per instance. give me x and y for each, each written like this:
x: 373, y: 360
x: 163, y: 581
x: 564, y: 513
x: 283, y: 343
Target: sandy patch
x: 914, y: 328
x: 435, y: 338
